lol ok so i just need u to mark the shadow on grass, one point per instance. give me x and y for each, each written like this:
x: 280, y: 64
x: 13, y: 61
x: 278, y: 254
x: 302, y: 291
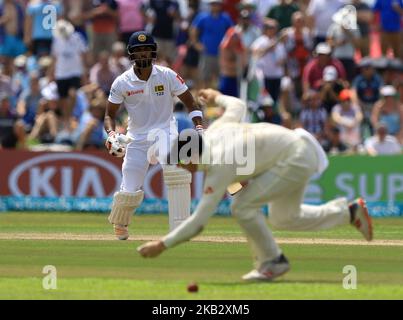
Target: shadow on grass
x: 274, y: 282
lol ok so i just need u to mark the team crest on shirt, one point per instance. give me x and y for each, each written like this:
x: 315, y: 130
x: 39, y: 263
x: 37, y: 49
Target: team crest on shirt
x: 159, y: 90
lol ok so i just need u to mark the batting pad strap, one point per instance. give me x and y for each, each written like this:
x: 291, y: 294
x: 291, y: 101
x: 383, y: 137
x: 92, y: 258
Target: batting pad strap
x: 124, y: 205
x: 177, y: 176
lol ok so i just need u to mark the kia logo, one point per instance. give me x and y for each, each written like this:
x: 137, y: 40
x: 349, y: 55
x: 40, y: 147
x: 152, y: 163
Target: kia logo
x: 65, y: 174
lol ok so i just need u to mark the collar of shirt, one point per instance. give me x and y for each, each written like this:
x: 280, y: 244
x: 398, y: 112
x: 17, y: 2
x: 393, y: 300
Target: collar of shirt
x: 134, y: 77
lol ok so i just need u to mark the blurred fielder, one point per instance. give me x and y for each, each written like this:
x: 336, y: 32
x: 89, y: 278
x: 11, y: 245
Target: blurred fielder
x: 284, y: 161
x: 147, y: 92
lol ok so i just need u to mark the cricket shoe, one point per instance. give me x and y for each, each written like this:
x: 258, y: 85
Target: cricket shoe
x: 360, y: 218
x: 121, y: 231
x: 269, y: 270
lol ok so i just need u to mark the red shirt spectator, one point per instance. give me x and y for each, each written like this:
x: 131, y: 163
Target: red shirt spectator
x: 313, y: 71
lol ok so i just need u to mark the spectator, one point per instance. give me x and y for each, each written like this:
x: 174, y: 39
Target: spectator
x: 364, y: 18
x: 28, y: 105
x: 118, y: 61
x: 46, y: 122
x: 249, y: 32
x: 366, y: 87
x: 257, y: 9
x: 12, y: 23
x: 347, y: 116
x: 282, y: 13
x: 37, y: 34
x: 330, y: 88
x: 5, y: 84
x: 102, y: 74
x: 182, y: 117
x: 268, y: 112
x: 207, y: 31
x: 390, y: 111
x: 68, y: 50
x: 90, y: 132
x: 103, y: 15
x: 271, y: 57
x: 191, y: 58
x: 162, y: 15
x: 232, y: 59
x: 320, y: 16
x: 333, y: 144
x: 382, y: 143
x: 390, y: 12
x: 343, y: 42
x: 20, y: 77
x: 313, y: 71
x: 131, y: 18
x: 8, y: 122
x: 75, y: 12
x: 313, y: 116
x: 299, y: 44
x: 231, y: 7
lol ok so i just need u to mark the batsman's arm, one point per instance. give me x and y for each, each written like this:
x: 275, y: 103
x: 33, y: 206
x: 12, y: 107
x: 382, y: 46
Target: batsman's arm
x: 110, y: 115
x: 115, y: 99
x: 193, y: 108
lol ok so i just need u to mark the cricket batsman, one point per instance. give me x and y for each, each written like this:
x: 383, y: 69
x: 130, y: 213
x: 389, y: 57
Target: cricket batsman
x: 284, y: 160
x: 147, y: 90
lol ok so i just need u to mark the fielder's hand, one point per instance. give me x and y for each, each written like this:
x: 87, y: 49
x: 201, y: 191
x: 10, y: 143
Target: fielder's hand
x: 151, y: 249
x: 207, y: 96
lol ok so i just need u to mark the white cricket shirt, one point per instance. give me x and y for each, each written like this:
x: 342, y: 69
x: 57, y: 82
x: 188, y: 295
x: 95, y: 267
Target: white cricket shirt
x: 149, y: 103
x: 68, y: 55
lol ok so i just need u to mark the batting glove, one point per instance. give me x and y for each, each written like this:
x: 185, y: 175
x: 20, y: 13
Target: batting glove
x: 116, y: 144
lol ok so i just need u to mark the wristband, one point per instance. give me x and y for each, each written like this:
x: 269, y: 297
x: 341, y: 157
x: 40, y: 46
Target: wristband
x: 196, y: 113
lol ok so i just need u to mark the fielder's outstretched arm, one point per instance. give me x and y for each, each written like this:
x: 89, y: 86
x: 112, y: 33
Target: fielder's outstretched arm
x: 215, y: 186
x: 235, y: 108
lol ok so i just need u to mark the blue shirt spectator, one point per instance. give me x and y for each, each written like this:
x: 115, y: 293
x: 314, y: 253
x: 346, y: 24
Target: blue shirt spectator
x: 29, y: 102
x: 81, y: 105
x: 390, y: 18
x: 368, y: 88
x: 38, y: 12
x: 212, y: 30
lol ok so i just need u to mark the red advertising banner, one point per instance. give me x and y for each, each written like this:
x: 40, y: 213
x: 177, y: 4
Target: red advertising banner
x: 72, y: 174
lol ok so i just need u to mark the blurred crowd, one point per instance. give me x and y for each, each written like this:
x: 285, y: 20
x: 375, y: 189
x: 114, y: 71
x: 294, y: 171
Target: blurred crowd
x: 333, y: 67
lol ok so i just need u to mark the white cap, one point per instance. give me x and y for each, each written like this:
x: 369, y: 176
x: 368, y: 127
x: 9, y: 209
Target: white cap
x: 323, y: 48
x: 50, y: 92
x: 64, y: 29
x: 330, y: 73
x: 266, y: 100
x: 20, y: 61
x: 388, y: 91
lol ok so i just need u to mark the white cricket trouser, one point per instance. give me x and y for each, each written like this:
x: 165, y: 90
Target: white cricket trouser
x: 286, y: 211
x: 138, y: 156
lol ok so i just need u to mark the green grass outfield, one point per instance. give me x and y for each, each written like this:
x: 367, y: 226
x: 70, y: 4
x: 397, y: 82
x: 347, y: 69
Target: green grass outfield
x: 106, y: 269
